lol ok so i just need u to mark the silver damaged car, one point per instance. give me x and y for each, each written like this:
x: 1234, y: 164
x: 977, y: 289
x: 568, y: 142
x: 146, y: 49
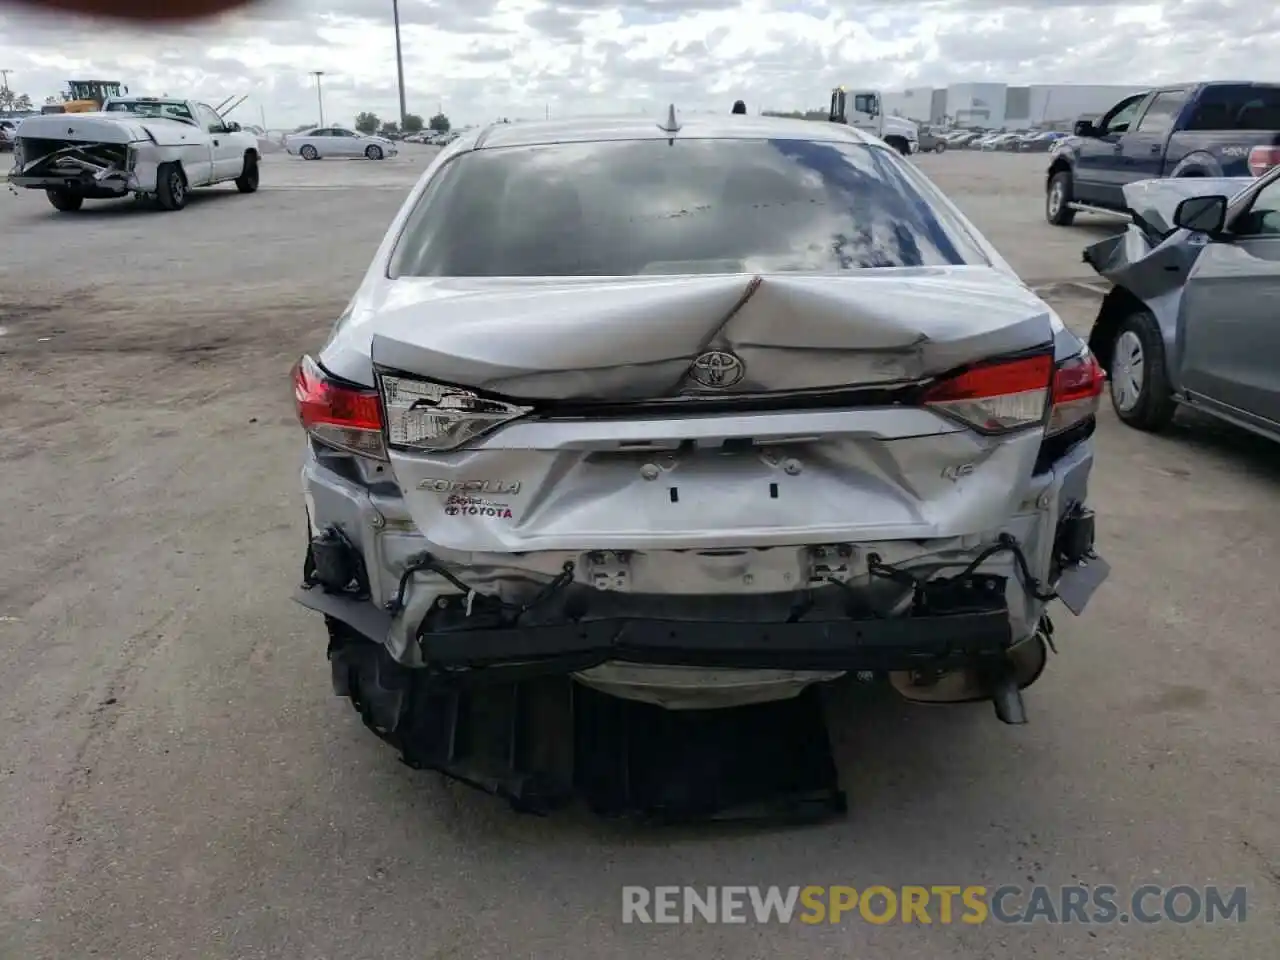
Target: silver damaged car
x: 1191, y: 318
x: 683, y: 417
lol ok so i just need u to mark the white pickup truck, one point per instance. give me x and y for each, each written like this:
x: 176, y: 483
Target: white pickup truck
x: 147, y: 146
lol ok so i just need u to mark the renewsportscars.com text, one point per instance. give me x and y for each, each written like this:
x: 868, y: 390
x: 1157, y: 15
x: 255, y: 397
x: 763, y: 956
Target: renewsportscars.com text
x: 940, y: 904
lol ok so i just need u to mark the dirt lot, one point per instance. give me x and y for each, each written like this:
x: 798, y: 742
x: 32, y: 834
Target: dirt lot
x: 177, y: 781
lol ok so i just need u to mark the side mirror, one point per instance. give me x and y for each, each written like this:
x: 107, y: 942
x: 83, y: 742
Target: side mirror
x: 1084, y: 128
x: 1201, y: 214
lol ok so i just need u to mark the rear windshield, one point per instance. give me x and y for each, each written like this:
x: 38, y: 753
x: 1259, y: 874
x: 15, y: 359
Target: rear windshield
x: 646, y: 207
x: 1237, y: 106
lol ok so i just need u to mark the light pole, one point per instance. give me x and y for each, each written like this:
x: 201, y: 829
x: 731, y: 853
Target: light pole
x: 319, y: 96
x: 395, y: 14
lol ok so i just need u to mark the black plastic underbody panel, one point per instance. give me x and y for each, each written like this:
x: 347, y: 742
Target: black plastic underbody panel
x: 541, y: 743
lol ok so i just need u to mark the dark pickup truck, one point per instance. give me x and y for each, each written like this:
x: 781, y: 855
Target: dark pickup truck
x: 1222, y: 129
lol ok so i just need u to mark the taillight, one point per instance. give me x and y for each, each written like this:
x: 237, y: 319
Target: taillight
x: 996, y: 397
x: 336, y: 414
x: 1262, y: 159
x: 433, y: 417
x: 1077, y: 388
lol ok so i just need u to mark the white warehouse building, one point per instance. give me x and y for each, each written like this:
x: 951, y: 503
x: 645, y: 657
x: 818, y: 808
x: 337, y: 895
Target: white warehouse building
x: 996, y: 106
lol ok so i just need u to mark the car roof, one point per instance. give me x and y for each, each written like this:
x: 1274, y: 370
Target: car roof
x: 694, y: 126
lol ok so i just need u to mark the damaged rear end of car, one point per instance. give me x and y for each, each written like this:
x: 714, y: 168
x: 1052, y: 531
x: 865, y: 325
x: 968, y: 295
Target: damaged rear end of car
x: 547, y: 511
x: 91, y: 156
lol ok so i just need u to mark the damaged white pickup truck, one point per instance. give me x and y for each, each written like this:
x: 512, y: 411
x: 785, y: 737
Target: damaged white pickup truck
x: 145, y: 146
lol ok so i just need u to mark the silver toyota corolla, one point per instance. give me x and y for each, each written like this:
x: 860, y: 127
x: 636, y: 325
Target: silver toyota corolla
x: 696, y: 412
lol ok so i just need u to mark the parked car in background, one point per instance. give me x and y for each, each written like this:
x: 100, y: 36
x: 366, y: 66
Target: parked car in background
x: 8, y: 133
x: 338, y: 142
x: 1039, y: 142
x: 1191, y: 318
x: 534, y: 435
x: 1222, y: 129
x: 1000, y: 141
x: 963, y: 138
x: 931, y: 142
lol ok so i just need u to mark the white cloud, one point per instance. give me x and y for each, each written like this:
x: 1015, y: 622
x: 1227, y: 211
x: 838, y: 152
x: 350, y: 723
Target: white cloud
x: 482, y: 59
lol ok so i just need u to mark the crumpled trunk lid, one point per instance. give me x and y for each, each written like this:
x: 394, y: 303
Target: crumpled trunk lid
x: 637, y: 338
x: 105, y: 127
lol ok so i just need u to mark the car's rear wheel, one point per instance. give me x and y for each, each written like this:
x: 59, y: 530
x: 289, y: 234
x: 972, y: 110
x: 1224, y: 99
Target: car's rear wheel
x: 1139, y: 380
x: 373, y: 152
x: 1057, y: 200
x: 171, y: 187
x: 941, y: 147
x: 309, y: 152
x: 64, y: 200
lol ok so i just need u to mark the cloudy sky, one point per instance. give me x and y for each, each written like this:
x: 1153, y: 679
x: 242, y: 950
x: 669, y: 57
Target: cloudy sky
x: 482, y: 59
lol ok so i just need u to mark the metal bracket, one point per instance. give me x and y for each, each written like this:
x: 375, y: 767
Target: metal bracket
x: 831, y: 562
x: 608, y: 570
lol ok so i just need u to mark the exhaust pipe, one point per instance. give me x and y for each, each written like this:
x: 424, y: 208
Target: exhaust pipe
x: 1000, y: 683
x: 1007, y: 699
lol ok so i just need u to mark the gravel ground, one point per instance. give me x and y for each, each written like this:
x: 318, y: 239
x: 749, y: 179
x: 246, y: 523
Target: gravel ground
x: 177, y: 780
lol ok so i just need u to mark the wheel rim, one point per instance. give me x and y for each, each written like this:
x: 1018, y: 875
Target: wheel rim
x: 175, y: 187
x: 308, y: 153
x: 1127, y: 365
x: 1055, y: 198
x: 373, y: 153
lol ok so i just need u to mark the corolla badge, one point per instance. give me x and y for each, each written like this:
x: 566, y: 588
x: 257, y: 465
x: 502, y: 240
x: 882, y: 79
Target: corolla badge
x: 717, y: 369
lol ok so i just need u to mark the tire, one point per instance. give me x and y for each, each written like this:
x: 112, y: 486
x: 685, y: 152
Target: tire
x: 247, y: 182
x: 941, y: 147
x: 1057, y: 197
x: 308, y: 152
x: 64, y: 200
x: 1138, y: 379
x: 373, y: 152
x: 171, y: 187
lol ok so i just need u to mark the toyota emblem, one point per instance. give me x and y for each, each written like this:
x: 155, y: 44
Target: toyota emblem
x: 717, y: 369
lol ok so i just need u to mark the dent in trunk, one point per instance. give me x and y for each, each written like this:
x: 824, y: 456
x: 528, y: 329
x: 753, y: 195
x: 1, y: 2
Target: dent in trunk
x: 625, y: 339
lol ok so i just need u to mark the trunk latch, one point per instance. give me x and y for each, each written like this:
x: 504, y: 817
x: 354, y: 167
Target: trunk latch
x: 608, y: 570
x: 831, y: 564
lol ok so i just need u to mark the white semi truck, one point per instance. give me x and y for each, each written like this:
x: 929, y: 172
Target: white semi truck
x: 864, y: 109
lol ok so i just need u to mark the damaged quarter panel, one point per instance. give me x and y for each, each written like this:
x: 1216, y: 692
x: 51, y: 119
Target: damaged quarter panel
x: 1151, y: 262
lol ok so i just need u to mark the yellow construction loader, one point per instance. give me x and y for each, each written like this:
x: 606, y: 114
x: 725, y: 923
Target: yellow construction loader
x: 85, y: 96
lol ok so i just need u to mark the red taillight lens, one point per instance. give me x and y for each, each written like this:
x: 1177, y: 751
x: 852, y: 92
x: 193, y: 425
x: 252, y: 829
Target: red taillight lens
x: 996, y: 397
x: 1262, y: 159
x: 339, y: 416
x: 1077, y: 388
